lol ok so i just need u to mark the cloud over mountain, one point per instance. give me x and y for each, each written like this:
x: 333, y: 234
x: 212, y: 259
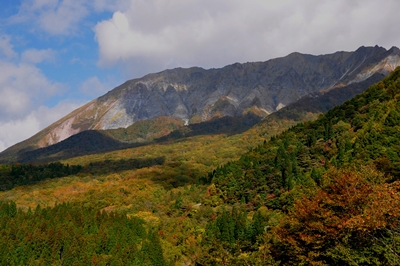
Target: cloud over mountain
x: 57, y: 50
x: 24, y: 89
x: 166, y: 34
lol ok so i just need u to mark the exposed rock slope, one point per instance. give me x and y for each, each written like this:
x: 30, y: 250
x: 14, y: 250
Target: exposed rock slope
x: 196, y: 94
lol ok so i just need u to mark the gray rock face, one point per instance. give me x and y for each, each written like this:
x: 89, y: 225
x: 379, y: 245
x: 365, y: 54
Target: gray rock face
x: 269, y: 86
x: 196, y: 94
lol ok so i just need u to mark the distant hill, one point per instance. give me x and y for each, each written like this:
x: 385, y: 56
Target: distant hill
x: 86, y: 142
x: 100, y: 141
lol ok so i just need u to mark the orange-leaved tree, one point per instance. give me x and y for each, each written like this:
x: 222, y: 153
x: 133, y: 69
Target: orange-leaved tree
x: 353, y: 219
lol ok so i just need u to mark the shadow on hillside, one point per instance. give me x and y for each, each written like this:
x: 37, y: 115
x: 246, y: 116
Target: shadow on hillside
x: 94, y: 142
x: 115, y: 166
x: 322, y: 102
x: 83, y: 143
x: 224, y: 125
x: 172, y: 174
x: 28, y: 174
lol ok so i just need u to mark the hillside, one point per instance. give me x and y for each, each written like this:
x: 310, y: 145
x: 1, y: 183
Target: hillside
x: 322, y: 192
x: 195, y: 94
x: 322, y: 175
x: 361, y: 131
x: 100, y: 141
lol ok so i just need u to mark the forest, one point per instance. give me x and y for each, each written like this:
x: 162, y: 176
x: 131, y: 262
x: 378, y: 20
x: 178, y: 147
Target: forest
x: 322, y: 192
x: 74, y: 235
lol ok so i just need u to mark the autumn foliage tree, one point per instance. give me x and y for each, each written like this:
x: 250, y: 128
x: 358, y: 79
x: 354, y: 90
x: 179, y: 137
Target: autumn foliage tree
x: 353, y: 219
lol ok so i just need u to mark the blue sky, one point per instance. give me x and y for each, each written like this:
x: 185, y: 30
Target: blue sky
x: 56, y: 55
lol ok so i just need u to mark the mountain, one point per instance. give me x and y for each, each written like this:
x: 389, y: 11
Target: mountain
x: 157, y: 129
x: 195, y: 94
x: 324, y: 192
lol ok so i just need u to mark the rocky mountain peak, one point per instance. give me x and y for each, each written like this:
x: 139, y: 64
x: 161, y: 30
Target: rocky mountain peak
x: 394, y: 50
x: 196, y: 94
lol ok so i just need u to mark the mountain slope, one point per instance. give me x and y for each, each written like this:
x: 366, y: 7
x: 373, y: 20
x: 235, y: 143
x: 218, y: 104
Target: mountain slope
x: 321, y: 102
x: 86, y: 142
x: 364, y: 130
x: 196, y: 94
x: 333, y: 183
x: 101, y: 141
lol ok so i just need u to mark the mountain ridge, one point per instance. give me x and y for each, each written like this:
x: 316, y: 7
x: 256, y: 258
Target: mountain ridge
x: 196, y: 94
x: 156, y: 130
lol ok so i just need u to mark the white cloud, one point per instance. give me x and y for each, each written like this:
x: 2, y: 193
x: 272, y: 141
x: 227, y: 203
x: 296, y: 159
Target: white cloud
x: 94, y: 87
x: 13, y: 103
x: 35, y: 56
x: 17, y: 130
x: 14, y: 131
x: 107, y: 5
x: 6, y: 48
x: 23, y: 91
x: 23, y: 86
x: 162, y: 34
x: 56, y: 17
x: 62, y: 17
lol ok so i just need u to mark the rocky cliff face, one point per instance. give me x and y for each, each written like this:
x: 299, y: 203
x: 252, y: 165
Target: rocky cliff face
x: 197, y: 94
